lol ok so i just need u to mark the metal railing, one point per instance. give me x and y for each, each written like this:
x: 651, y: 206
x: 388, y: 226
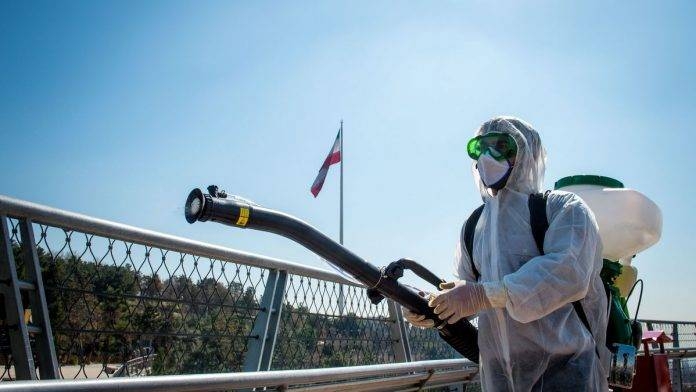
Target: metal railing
x: 414, y: 376
x: 127, y: 301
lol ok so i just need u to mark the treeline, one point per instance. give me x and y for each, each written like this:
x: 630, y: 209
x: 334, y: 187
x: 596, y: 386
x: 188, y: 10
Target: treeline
x: 109, y: 314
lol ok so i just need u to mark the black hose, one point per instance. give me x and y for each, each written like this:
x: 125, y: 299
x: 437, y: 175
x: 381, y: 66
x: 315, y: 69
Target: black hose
x: 462, y: 336
x: 636, y: 328
x: 640, y: 297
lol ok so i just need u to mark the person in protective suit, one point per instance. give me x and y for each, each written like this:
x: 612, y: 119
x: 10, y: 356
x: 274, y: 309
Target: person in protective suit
x: 530, y: 336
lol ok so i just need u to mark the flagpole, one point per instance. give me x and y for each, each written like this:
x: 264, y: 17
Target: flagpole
x: 341, y: 213
x: 341, y: 295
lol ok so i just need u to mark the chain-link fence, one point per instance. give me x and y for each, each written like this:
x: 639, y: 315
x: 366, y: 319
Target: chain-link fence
x: 125, y: 305
x: 125, y: 302
x: 327, y: 324
x: 116, y: 306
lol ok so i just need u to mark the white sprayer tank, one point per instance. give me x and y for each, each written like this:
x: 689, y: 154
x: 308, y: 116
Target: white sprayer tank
x: 628, y: 221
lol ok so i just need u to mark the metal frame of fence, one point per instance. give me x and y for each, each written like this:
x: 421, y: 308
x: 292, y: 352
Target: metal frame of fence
x: 414, y: 376
x: 200, y: 308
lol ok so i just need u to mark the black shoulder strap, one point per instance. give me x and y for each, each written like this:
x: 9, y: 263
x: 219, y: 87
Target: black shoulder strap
x: 583, y: 317
x: 537, y: 218
x: 539, y: 223
x: 468, y: 237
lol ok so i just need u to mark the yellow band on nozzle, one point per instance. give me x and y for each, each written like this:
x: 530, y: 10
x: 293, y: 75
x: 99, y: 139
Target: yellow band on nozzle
x: 243, y: 217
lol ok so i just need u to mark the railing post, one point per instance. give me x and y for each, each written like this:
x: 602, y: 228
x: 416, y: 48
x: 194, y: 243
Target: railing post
x: 649, y: 325
x: 14, y: 318
x: 676, y: 362
x: 263, y: 335
x: 398, y: 333
x: 46, y: 351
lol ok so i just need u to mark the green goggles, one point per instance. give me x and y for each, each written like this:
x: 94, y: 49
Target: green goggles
x: 501, y: 146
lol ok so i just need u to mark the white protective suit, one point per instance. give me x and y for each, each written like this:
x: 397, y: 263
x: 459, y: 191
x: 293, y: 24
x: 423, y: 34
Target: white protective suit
x: 532, y: 339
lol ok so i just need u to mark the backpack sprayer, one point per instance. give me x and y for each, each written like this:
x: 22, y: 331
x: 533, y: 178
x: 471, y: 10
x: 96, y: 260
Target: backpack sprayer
x: 238, y: 212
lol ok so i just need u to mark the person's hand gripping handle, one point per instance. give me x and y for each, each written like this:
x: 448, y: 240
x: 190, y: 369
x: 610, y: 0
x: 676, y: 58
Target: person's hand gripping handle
x: 459, y: 299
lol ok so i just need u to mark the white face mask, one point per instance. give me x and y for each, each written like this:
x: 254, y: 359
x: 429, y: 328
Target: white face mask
x: 493, y: 173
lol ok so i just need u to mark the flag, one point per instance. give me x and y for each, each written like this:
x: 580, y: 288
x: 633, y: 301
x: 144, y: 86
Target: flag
x: 334, y: 157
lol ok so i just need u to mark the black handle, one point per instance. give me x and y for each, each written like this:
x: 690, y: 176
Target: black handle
x: 396, y: 270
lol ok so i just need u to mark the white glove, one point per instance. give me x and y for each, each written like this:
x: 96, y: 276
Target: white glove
x: 459, y: 299
x: 417, y: 320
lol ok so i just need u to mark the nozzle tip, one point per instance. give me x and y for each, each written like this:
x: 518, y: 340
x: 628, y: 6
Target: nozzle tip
x: 195, y: 202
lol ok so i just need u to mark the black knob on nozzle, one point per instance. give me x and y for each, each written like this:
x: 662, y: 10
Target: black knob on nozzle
x: 214, y: 191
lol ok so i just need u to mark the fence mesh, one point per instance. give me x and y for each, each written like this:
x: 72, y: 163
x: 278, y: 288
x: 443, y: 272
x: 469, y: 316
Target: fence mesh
x: 426, y: 344
x: 120, y: 308
x: 326, y: 324
x: 687, y: 339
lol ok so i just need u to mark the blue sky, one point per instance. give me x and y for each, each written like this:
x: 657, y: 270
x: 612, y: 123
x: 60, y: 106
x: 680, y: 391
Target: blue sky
x: 118, y: 109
